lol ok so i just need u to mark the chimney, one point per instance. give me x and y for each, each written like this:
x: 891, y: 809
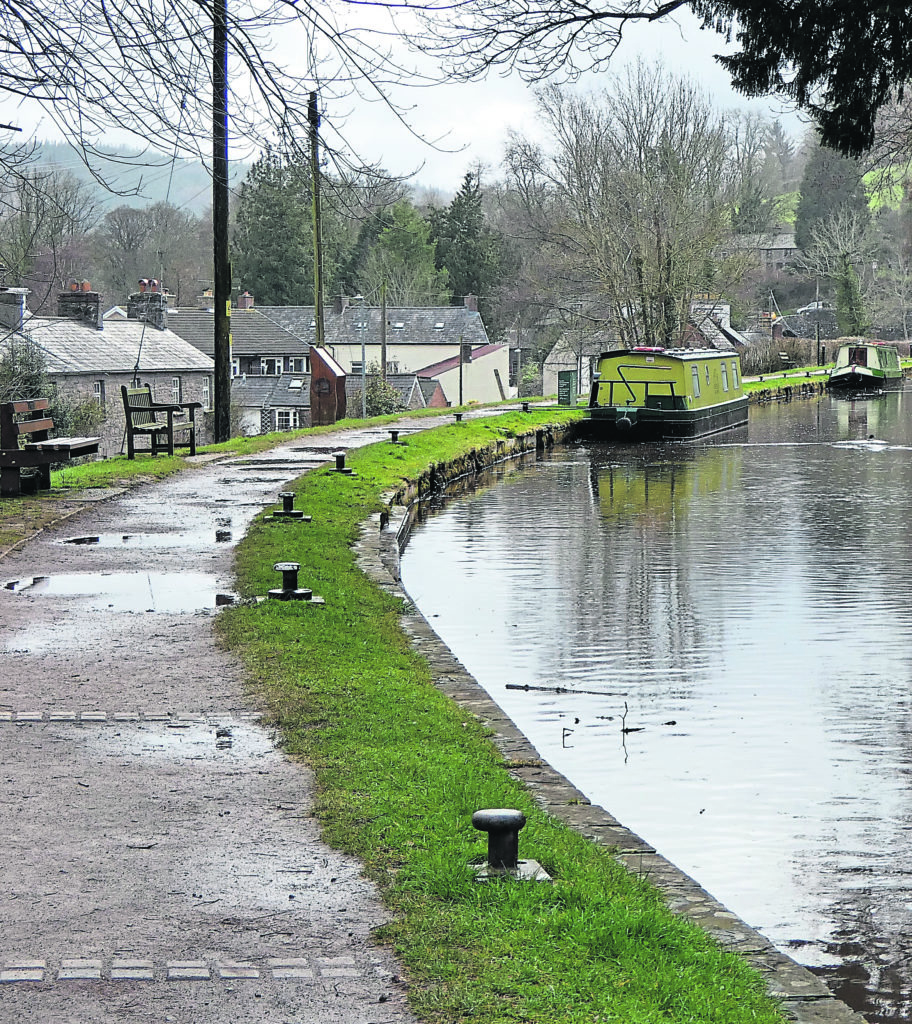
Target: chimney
x: 149, y: 304
x: 471, y: 302
x: 206, y: 300
x: 82, y: 304
x: 339, y: 304
x: 12, y: 308
x: 245, y: 301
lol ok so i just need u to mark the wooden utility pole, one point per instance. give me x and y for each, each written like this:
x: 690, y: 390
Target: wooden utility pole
x: 383, y: 330
x: 313, y: 118
x: 222, y: 267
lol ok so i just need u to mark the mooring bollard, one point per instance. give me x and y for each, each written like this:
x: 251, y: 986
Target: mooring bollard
x: 502, y: 825
x: 288, y: 511
x: 394, y: 436
x: 289, y: 590
x: 525, y: 407
x: 340, y: 464
x: 458, y: 417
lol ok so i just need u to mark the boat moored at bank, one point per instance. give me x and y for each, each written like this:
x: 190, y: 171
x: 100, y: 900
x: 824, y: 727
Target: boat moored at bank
x: 650, y: 393
x: 866, y: 366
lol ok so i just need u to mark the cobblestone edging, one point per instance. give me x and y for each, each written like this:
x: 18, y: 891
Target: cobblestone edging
x: 805, y: 998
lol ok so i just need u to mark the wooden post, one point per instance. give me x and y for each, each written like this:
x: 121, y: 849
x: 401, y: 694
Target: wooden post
x: 222, y: 267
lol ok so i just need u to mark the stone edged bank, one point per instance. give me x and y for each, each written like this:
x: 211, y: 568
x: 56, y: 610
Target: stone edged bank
x: 804, y: 997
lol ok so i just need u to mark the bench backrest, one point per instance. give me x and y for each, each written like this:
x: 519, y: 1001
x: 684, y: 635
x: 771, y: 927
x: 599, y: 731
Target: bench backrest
x: 138, y: 403
x: 36, y: 421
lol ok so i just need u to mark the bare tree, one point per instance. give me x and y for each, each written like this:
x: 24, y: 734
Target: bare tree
x: 633, y: 202
x: 840, y: 62
x: 145, y: 69
x: 44, y: 218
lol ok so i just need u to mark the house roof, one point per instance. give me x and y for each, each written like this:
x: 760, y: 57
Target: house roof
x: 73, y: 347
x: 285, y: 390
x: 407, y: 384
x: 769, y: 240
x: 406, y: 325
x: 252, y: 332
x: 450, y: 364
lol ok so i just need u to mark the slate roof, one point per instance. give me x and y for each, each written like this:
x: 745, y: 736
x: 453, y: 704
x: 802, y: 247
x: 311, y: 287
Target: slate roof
x: 252, y: 332
x: 263, y: 392
x: 71, y: 347
x: 407, y: 384
x: 419, y: 324
x: 769, y: 240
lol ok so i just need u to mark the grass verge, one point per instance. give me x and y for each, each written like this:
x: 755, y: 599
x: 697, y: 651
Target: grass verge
x: 400, y: 769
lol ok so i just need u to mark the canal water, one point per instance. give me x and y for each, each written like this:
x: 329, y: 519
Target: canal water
x: 733, y: 622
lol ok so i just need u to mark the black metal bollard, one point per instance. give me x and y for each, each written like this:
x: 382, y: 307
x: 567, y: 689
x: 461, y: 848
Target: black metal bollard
x: 289, y: 591
x: 459, y: 416
x: 394, y: 436
x: 288, y: 511
x: 525, y: 407
x: 502, y: 825
x: 340, y: 464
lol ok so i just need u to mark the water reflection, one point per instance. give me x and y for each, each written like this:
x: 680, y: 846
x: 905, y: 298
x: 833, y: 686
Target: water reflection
x: 746, y: 603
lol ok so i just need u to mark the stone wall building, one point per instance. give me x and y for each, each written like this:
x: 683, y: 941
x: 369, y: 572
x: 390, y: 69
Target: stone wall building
x: 89, y: 358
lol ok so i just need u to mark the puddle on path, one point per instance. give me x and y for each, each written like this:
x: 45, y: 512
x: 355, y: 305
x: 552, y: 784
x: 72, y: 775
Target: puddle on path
x: 187, y: 740
x: 186, y: 538
x: 169, y: 592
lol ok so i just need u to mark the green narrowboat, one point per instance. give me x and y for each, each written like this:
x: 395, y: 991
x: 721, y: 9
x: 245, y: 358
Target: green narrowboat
x: 866, y: 366
x: 654, y: 394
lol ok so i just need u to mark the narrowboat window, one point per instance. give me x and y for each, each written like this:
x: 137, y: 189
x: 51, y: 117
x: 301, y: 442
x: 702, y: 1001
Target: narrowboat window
x: 735, y: 375
x: 695, y: 372
x: 707, y: 374
x: 724, y: 369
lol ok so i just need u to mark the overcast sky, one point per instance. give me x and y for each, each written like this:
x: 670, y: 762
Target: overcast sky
x: 476, y: 118
x: 472, y: 121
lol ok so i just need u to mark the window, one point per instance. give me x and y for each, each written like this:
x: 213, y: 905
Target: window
x: 270, y: 366
x: 399, y: 326
x: 99, y: 387
x: 392, y: 367
x: 707, y: 374
x: 176, y: 391
x: 235, y: 367
x: 283, y: 419
x: 297, y: 364
x: 735, y: 375
x: 695, y: 373
x: 724, y: 369
x: 296, y: 384
x: 207, y: 392
x: 356, y: 368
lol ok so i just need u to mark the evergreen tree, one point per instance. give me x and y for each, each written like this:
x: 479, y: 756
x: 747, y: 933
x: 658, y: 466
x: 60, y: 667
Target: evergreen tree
x: 403, y: 258
x: 831, y: 183
x: 272, y: 245
x: 470, y: 251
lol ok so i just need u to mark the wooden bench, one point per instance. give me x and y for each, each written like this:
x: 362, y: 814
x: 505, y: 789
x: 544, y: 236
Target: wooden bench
x: 143, y: 420
x: 19, y: 419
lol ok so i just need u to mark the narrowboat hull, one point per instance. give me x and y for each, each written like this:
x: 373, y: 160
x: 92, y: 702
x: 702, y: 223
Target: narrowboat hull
x: 866, y: 366
x: 616, y: 423
x: 863, y: 379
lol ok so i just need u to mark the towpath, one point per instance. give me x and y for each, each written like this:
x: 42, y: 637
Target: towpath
x: 159, y: 861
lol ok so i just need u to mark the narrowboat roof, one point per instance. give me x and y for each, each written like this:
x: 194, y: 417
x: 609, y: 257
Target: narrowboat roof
x: 673, y: 353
